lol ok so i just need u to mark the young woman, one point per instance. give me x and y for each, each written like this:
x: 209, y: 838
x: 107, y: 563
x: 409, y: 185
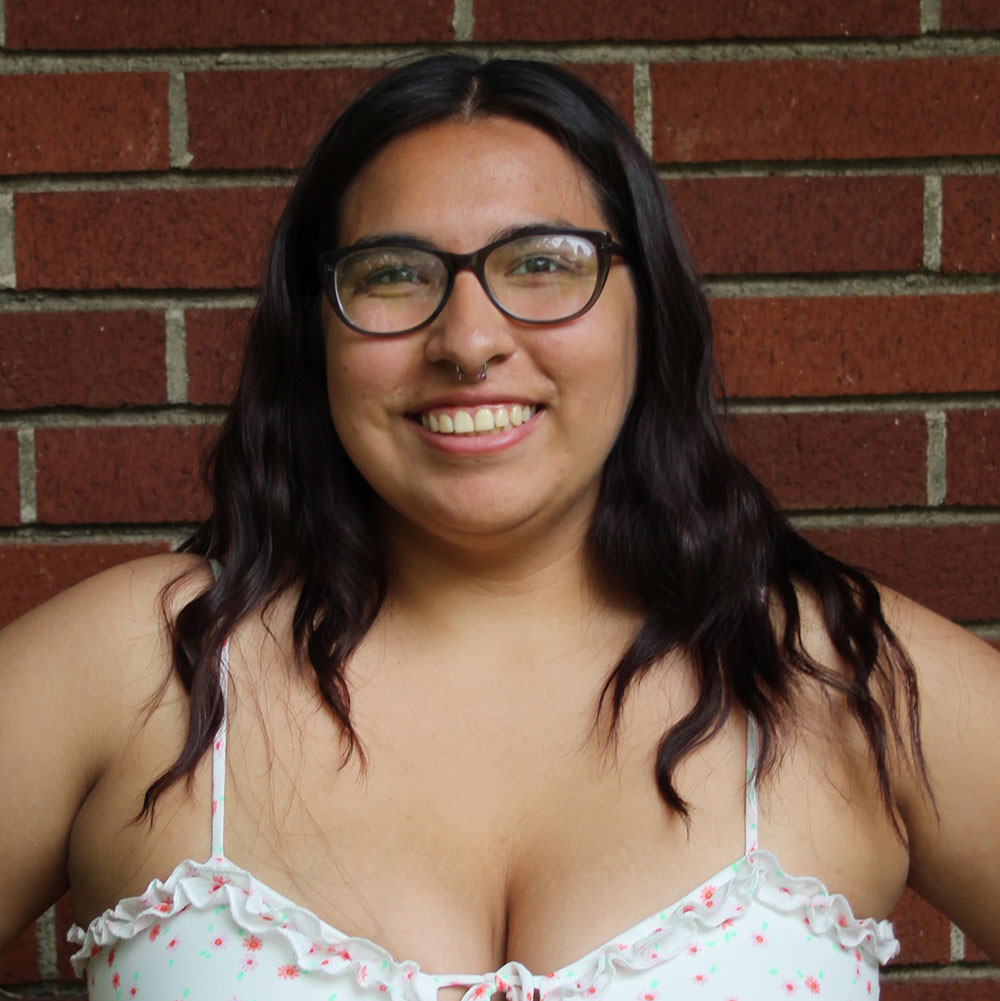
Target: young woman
x: 509, y: 677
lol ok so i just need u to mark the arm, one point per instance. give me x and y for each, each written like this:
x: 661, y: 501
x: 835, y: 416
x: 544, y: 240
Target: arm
x: 955, y: 850
x: 74, y: 675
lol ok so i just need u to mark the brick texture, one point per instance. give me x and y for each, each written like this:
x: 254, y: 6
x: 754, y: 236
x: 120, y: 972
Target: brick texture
x: 972, y: 15
x: 124, y: 24
x: 659, y: 20
x: 31, y: 573
x: 265, y: 118
x: 10, y: 498
x: 970, y: 234
x: 143, y: 239
x: 924, y: 933
x: 120, y: 474
x: 974, y: 457
x: 85, y: 359
x: 926, y: 989
x: 19, y: 961
x: 83, y: 122
x: 774, y: 225
x: 858, y: 346
x: 836, y: 460
x: 809, y: 109
x: 950, y: 568
x: 215, y: 340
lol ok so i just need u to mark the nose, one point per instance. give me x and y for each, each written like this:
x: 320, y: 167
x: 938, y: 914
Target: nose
x: 470, y: 331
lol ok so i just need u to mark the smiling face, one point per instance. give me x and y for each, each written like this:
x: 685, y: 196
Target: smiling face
x: 561, y: 389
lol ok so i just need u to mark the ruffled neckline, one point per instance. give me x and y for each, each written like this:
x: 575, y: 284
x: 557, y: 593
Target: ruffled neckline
x: 319, y: 947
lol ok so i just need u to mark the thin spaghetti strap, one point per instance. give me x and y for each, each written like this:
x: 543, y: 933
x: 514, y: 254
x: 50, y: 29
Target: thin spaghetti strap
x: 750, y: 808
x: 219, y: 762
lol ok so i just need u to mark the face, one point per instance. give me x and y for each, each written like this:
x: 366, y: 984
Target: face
x: 456, y: 186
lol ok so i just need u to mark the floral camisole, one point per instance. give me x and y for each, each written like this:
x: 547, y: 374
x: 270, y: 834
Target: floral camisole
x: 212, y: 932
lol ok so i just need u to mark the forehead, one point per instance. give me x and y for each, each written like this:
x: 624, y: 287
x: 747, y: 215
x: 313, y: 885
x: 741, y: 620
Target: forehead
x: 458, y: 183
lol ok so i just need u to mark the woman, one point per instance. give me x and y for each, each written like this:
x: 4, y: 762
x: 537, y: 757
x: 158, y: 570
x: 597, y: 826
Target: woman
x: 512, y: 652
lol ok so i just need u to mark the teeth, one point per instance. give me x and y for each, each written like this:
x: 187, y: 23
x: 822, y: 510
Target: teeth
x: 483, y: 420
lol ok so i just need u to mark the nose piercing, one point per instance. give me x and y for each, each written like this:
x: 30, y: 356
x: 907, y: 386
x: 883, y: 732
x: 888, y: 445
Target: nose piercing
x: 460, y: 375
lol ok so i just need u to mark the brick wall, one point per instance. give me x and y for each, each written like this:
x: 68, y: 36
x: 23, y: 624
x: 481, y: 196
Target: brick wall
x: 836, y: 167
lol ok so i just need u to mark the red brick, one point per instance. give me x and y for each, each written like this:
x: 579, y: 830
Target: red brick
x: 661, y: 21
x: 970, y: 233
x: 265, y: 118
x: 973, y: 954
x: 758, y: 225
x: 125, y: 24
x: 83, y: 122
x: 970, y: 15
x: 950, y: 568
x: 86, y: 359
x: 925, y: 989
x: 215, y: 339
x: 10, y: 497
x: 31, y: 573
x: 120, y: 474
x: 924, y: 933
x: 858, y: 346
x: 973, y: 465
x: 813, y: 109
x: 212, y: 238
x: 614, y: 80
x: 19, y: 961
x: 836, y: 460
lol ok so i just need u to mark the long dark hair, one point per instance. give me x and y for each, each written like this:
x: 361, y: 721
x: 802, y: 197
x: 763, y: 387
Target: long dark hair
x: 680, y: 523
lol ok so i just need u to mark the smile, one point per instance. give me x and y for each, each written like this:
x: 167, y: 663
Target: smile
x: 478, y: 420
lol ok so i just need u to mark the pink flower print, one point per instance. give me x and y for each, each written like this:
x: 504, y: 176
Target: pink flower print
x: 701, y: 979
x: 788, y: 987
x: 868, y: 986
x: 95, y: 949
x: 249, y: 962
x: 362, y: 974
x: 758, y: 938
x: 111, y: 957
x: 288, y: 971
x: 252, y: 943
x: 218, y: 744
x: 481, y: 991
x: 154, y: 932
x: 173, y: 943
x: 647, y: 996
x: 693, y: 949
x: 707, y: 892
x: 812, y: 984
x: 727, y: 924
x: 218, y: 882
x: 622, y: 946
x: 133, y: 991
x: 219, y: 942
x: 116, y: 980
x: 687, y: 908
x: 382, y: 987
x: 215, y: 806
x: 163, y: 908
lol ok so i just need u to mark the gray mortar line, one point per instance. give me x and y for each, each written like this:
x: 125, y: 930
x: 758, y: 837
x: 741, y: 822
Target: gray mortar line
x: 930, y: 16
x: 367, y: 56
x: 166, y: 417
x: 914, y: 283
x: 950, y: 971
x: 932, y: 222
x: 96, y: 534
x: 176, y: 356
x: 154, y: 181
x: 48, y: 960
x: 909, y: 167
x: 642, y: 106
x: 914, y: 518
x: 861, y: 405
x: 3, y: 23
x: 8, y: 268
x: 26, y: 475
x: 937, y: 457
x: 180, y: 157
x: 39, y: 302
x: 957, y: 943
x: 989, y: 631
x: 462, y: 20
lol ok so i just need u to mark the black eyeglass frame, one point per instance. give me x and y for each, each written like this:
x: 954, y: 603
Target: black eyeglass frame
x: 476, y: 263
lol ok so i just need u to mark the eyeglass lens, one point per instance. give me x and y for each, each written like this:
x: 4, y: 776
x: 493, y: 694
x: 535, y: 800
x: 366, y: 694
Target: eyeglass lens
x: 541, y: 278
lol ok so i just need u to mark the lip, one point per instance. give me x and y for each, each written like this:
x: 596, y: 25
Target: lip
x: 471, y: 399
x: 476, y: 444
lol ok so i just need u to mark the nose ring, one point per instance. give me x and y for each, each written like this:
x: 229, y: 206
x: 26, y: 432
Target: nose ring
x: 460, y: 375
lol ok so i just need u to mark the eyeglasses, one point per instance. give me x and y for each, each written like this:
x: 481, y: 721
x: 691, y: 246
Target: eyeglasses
x: 537, y: 275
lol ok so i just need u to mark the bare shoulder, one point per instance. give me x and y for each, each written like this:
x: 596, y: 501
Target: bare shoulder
x: 75, y: 672
x: 953, y: 831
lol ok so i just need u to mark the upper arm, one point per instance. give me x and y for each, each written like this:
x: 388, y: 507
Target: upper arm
x: 75, y: 674
x: 954, y: 837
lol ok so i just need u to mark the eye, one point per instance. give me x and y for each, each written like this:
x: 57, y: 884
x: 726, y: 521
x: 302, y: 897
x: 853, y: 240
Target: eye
x: 389, y: 276
x: 539, y: 264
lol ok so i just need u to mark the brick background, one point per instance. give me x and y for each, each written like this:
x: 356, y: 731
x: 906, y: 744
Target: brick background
x: 145, y: 153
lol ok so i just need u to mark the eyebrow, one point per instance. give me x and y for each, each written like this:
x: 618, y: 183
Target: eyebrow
x: 403, y: 239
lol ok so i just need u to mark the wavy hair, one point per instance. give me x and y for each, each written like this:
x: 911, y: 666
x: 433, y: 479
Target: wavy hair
x: 680, y: 523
